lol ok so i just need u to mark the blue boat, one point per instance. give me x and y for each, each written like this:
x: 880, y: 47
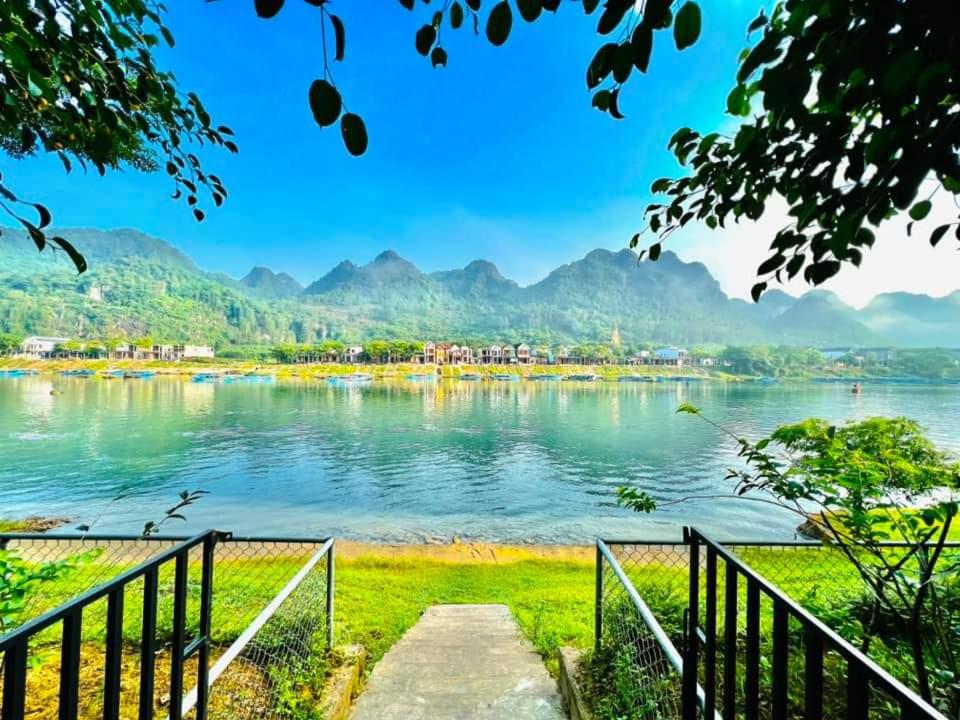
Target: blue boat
x: 504, y: 376
x: 421, y: 377
x: 635, y: 378
x: 15, y: 373
x: 78, y: 373
x: 138, y: 375
x: 470, y: 377
x: 352, y: 380
x: 249, y: 379
x: 547, y: 377
x: 206, y: 378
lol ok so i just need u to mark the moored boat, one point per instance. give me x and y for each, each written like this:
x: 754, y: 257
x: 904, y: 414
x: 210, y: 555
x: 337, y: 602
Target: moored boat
x: 17, y: 372
x: 351, y: 380
x: 205, y: 378
x: 248, y: 379
x: 582, y: 377
x: 138, y: 374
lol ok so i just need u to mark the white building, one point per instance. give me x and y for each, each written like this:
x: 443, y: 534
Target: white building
x: 670, y: 356
x: 192, y: 352
x: 353, y: 353
x: 39, y: 346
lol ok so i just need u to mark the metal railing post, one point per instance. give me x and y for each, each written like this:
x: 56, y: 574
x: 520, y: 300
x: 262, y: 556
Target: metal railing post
x: 710, y: 659
x: 331, y: 580
x: 598, y: 609
x: 14, y: 681
x: 206, y: 629
x: 114, y: 656
x: 691, y: 660
x: 148, y: 641
x: 178, y: 639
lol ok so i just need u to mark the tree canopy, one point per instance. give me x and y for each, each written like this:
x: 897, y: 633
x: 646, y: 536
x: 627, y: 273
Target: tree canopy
x: 845, y: 109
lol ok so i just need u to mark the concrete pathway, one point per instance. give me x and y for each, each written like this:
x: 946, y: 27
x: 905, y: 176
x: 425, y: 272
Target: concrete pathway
x: 461, y: 662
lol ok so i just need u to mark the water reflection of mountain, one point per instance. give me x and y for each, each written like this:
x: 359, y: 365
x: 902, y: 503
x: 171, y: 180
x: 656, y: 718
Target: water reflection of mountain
x: 543, y: 457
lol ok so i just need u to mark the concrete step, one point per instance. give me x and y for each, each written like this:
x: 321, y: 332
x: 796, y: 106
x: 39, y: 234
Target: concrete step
x: 461, y: 662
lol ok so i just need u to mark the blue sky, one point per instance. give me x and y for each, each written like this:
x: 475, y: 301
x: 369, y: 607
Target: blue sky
x: 498, y: 156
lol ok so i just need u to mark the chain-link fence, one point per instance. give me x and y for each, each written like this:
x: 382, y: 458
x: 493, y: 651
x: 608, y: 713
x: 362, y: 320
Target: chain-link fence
x: 820, y: 577
x: 636, y: 659
x: 271, y: 613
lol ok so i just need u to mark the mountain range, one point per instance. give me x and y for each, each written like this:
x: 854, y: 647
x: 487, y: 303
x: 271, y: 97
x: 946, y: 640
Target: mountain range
x: 139, y: 285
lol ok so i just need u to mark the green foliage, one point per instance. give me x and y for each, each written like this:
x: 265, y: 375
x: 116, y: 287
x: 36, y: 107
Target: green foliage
x: 184, y: 500
x: 18, y: 578
x: 853, y: 107
x: 863, y: 484
x: 9, y: 343
x: 81, y: 82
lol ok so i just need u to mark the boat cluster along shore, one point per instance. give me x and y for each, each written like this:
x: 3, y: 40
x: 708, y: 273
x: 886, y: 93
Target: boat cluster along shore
x: 355, y: 377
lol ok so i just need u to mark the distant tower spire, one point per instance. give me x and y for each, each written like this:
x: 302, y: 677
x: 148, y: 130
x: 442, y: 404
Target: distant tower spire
x: 615, y: 337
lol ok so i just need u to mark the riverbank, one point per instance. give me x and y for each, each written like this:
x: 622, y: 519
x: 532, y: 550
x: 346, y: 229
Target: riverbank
x: 388, y: 371
x: 378, y: 371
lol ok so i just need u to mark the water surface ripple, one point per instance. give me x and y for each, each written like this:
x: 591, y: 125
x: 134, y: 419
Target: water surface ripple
x: 507, y: 462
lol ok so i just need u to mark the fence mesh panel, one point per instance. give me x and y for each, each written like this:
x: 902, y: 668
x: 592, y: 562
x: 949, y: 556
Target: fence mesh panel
x: 248, y: 575
x: 280, y: 673
x: 640, y: 683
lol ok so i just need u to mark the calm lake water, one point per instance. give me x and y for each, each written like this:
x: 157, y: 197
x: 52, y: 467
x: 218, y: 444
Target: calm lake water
x: 408, y: 461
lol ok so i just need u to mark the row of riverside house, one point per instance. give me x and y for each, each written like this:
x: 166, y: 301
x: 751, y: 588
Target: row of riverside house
x: 522, y: 354
x: 41, y: 348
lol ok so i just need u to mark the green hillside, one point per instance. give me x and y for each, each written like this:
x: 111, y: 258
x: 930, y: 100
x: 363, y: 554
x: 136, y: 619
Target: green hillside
x: 142, y: 286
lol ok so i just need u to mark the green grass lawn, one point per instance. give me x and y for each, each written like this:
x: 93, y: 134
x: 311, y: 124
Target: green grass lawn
x: 378, y: 599
x: 381, y: 594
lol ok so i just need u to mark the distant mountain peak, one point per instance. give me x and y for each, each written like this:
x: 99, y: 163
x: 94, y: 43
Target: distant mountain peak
x: 605, y: 292
x: 264, y: 282
x: 482, y: 267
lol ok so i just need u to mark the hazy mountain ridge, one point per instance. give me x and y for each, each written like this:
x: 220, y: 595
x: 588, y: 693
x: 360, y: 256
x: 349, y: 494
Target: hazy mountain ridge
x: 140, y: 284
x: 263, y: 282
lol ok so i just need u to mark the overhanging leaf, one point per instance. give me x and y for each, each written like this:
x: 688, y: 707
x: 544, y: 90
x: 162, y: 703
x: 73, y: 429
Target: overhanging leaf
x: 456, y: 15
x: 529, y: 9
x: 499, y: 23
x: 354, y: 134
x: 78, y: 260
x: 937, y: 235
x: 920, y: 210
x: 641, y: 43
x: 267, y: 8
x: 325, y: 102
x: 339, y: 35
x: 425, y: 38
x: 686, y: 26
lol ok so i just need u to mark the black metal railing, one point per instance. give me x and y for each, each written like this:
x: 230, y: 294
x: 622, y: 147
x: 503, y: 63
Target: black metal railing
x: 253, y: 632
x: 783, y: 662
x: 15, y: 646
